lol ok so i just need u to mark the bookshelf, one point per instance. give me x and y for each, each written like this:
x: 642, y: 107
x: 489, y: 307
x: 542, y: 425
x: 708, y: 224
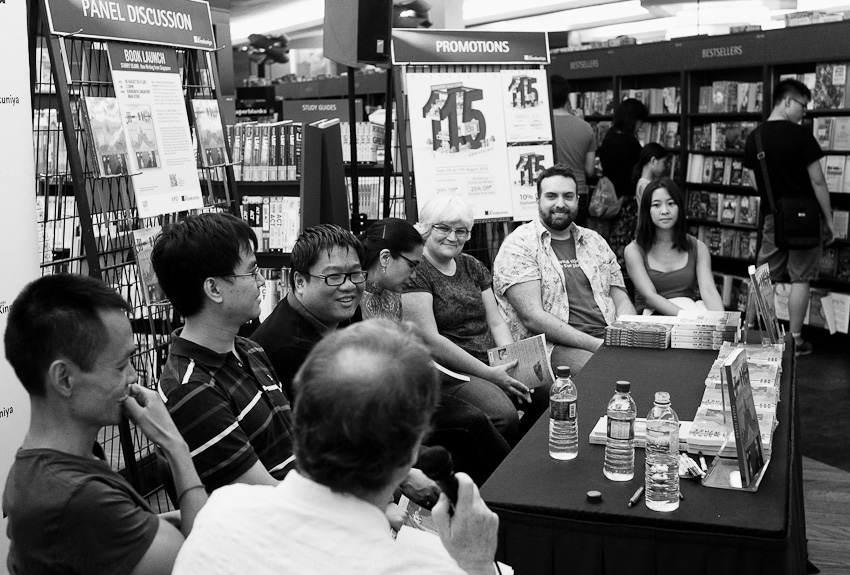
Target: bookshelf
x: 711, y: 134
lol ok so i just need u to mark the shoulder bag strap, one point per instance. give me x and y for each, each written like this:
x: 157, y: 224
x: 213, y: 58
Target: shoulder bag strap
x: 765, y: 176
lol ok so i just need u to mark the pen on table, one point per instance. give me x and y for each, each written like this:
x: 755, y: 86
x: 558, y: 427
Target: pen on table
x: 636, y: 497
x: 702, y: 462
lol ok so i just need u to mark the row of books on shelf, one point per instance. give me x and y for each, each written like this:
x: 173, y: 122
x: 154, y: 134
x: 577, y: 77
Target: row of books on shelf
x: 727, y: 242
x: 665, y: 100
x: 721, y: 136
x: 276, y: 288
x: 264, y: 152
x: 836, y: 169
x: 728, y: 96
x: 832, y: 132
x: 276, y: 220
x: 368, y: 137
x: 592, y: 103
x: 719, y: 170
x: 664, y: 133
x: 723, y: 208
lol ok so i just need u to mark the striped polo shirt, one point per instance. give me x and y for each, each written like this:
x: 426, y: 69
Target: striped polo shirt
x: 230, y: 409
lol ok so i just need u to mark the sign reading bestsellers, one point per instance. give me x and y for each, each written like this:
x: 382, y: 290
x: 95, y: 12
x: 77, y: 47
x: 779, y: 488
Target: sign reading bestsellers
x: 183, y: 23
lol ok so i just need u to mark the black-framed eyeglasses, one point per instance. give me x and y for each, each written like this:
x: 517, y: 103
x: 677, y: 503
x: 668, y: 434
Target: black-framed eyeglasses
x: 443, y: 230
x: 254, y: 273
x: 412, y: 263
x: 336, y: 280
x: 803, y: 105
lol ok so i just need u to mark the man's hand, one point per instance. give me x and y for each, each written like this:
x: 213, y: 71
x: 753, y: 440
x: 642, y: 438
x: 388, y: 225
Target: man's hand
x: 420, y: 489
x: 470, y: 535
x: 145, y: 408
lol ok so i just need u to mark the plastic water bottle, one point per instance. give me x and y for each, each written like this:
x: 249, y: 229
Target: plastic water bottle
x: 662, y: 451
x: 563, y: 416
x: 620, y: 447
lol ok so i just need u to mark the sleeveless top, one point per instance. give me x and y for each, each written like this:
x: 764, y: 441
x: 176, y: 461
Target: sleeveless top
x: 677, y: 283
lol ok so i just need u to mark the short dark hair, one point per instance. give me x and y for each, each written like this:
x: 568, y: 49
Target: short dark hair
x: 645, y: 234
x: 393, y: 234
x: 790, y: 87
x: 556, y: 170
x: 57, y: 316
x: 627, y: 114
x: 647, y: 153
x: 366, y: 395
x: 312, y: 241
x: 188, y: 252
x: 560, y: 90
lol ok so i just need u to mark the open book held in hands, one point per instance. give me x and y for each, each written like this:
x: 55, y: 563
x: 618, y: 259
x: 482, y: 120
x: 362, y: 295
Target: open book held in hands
x: 533, y: 367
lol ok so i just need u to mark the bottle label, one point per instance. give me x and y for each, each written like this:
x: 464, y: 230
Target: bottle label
x: 618, y: 429
x: 562, y: 409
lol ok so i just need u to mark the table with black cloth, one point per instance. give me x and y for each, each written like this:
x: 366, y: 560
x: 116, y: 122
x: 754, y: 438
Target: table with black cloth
x: 547, y: 524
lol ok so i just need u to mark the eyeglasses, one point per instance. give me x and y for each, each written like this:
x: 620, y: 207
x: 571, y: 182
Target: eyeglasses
x: 255, y: 273
x: 802, y: 104
x: 412, y: 263
x: 460, y: 233
x: 335, y: 280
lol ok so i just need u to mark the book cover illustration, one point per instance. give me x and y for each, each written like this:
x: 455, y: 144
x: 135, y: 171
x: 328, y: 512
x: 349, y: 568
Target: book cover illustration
x: 830, y: 80
x: 143, y: 241
x: 745, y: 422
x: 209, y: 132
x: 762, y: 289
x: 140, y: 130
x: 533, y: 367
x: 106, y: 133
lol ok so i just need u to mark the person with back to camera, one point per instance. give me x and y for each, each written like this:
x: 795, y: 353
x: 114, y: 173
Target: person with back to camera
x: 365, y: 398
x: 792, y: 156
x: 575, y: 142
x: 618, y: 154
x: 651, y: 164
x: 71, y: 345
x: 671, y: 269
x: 451, y: 299
x: 392, y: 253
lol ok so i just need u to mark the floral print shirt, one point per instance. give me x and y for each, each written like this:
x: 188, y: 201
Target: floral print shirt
x: 527, y: 255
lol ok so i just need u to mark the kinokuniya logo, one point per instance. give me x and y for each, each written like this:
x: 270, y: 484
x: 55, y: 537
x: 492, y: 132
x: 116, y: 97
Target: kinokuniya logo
x: 4, y: 307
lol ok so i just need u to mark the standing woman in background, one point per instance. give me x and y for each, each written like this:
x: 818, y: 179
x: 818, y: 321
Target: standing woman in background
x: 651, y: 164
x: 618, y: 154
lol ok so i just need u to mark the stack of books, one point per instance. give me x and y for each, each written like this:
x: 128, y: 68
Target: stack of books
x: 640, y: 331
x: 705, y: 329
x: 712, y: 423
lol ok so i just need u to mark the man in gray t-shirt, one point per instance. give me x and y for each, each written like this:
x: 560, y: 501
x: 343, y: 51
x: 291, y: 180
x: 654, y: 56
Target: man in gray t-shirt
x: 575, y: 142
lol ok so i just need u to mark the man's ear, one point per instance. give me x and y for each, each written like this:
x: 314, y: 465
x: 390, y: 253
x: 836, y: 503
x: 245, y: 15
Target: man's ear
x: 212, y: 289
x: 61, y: 377
x: 299, y: 281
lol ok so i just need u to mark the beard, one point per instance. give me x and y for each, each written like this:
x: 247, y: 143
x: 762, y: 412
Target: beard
x: 559, y: 224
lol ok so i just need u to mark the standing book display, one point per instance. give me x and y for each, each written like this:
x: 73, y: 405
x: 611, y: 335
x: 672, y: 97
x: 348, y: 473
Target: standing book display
x: 761, y: 306
x: 112, y: 95
x: 744, y: 472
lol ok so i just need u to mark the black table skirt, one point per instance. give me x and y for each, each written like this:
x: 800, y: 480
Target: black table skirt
x: 548, y: 526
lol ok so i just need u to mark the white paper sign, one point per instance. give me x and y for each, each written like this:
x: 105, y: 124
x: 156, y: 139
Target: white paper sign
x: 526, y: 106
x: 162, y: 157
x: 525, y: 163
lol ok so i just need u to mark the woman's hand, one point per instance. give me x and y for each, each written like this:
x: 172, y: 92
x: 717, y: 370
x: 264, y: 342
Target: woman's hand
x: 499, y: 375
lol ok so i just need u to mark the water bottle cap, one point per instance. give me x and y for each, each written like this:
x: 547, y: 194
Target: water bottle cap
x: 662, y: 397
x: 624, y: 386
x: 562, y: 371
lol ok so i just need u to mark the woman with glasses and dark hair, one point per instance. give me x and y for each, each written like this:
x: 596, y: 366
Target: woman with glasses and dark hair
x: 451, y: 299
x: 393, y: 250
x: 671, y: 270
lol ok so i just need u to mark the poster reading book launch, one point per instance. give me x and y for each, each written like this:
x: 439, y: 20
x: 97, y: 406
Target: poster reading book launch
x: 18, y: 222
x: 159, y: 153
x: 484, y: 136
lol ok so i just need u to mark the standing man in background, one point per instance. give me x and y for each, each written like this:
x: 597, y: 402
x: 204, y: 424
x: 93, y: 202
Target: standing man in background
x: 575, y: 142
x: 792, y: 158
